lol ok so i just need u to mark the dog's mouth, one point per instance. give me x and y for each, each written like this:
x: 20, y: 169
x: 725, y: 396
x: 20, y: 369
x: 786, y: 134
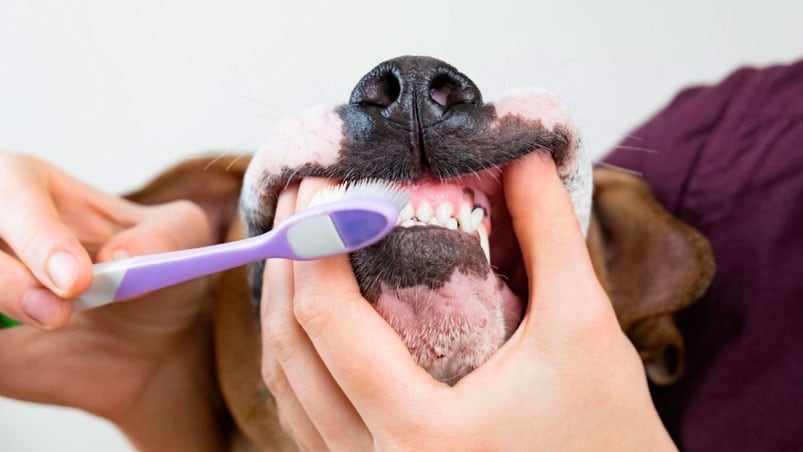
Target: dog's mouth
x: 449, y: 278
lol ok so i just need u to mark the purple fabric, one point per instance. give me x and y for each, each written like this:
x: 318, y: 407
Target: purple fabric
x: 730, y: 163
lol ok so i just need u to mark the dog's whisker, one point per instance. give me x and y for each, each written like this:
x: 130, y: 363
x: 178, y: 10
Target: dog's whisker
x: 216, y: 159
x: 618, y: 168
x: 236, y: 159
x: 277, y: 110
x: 637, y: 148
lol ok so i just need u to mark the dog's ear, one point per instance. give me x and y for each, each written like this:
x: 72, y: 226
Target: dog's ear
x: 212, y: 182
x: 651, y: 264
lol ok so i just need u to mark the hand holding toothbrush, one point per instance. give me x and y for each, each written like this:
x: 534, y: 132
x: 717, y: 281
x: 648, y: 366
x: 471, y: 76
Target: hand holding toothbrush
x: 120, y: 362
x: 52, y: 227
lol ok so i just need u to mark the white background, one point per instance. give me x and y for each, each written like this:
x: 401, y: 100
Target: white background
x: 115, y: 91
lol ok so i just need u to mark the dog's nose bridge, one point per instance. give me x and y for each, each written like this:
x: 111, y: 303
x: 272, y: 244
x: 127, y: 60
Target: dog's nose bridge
x: 414, y: 90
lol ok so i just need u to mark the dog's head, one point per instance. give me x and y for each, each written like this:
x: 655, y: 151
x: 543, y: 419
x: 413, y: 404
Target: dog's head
x: 449, y: 279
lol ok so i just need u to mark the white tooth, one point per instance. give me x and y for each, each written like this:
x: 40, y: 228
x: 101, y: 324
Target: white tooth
x: 476, y: 218
x: 424, y: 212
x: 407, y: 223
x: 444, y: 212
x: 434, y: 221
x: 464, y: 218
x: 486, y: 248
x: 406, y: 213
x: 452, y: 224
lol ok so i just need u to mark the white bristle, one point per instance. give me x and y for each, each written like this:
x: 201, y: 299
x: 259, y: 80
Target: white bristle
x: 364, y: 188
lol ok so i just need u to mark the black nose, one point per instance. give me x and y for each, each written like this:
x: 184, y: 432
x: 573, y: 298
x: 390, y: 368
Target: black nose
x: 415, y: 90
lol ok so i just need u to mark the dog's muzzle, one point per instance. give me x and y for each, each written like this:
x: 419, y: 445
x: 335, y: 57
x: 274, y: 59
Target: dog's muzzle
x: 449, y: 279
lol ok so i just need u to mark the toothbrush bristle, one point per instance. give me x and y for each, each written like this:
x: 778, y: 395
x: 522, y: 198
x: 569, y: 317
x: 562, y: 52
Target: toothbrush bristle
x: 363, y: 188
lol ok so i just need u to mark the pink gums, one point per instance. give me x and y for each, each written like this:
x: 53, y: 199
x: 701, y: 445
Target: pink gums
x: 436, y: 193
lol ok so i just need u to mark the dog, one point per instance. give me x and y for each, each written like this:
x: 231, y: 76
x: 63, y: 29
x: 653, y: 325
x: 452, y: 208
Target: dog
x: 419, y: 122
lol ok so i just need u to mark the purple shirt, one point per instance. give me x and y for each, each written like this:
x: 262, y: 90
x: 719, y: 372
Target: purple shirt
x: 730, y: 163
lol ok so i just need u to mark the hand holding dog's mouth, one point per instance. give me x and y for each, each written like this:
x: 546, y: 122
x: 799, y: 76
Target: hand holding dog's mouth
x: 343, y: 379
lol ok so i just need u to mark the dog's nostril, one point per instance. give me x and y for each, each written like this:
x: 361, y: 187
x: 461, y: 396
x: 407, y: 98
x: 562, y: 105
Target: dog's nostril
x: 379, y: 89
x: 448, y: 90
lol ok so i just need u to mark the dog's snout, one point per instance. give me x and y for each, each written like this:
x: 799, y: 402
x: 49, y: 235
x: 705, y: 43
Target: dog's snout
x: 406, y: 117
x: 379, y: 88
x: 450, y: 88
x: 418, y: 90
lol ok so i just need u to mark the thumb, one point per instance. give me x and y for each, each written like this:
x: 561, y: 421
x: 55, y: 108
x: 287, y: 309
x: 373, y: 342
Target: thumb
x: 165, y: 227
x: 563, y: 285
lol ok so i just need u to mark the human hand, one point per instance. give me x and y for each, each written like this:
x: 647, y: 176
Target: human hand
x: 567, y: 379
x: 134, y: 363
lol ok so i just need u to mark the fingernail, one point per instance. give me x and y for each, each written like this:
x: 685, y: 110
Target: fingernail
x: 42, y: 306
x: 63, y: 269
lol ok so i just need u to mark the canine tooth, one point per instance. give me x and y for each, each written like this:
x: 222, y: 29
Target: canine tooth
x: 486, y: 248
x: 406, y: 213
x: 452, y: 224
x: 464, y: 218
x: 407, y: 223
x: 476, y: 217
x: 444, y: 212
x: 424, y: 212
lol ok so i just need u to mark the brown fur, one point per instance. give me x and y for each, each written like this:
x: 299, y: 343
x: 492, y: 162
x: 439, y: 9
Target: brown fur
x: 650, y: 264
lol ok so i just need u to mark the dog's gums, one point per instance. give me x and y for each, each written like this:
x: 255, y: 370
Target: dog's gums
x: 449, y: 279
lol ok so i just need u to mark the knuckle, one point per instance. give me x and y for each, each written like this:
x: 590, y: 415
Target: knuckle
x: 280, y: 338
x: 273, y: 378
x: 306, y: 309
x: 187, y: 209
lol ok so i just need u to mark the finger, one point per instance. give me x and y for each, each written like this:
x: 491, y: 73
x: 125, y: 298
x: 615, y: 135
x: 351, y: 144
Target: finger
x: 328, y: 410
x: 563, y: 286
x: 32, y: 228
x: 292, y: 417
x: 165, y: 227
x: 23, y: 297
x: 363, y: 354
x: 327, y: 407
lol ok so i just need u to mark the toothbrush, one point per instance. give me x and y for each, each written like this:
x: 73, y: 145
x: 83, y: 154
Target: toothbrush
x: 340, y: 219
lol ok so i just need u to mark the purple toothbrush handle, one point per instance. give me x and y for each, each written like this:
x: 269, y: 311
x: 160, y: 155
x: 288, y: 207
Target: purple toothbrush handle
x: 316, y: 232
x: 149, y: 273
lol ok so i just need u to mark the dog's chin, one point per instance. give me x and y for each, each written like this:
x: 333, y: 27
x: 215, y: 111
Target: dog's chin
x: 454, y: 296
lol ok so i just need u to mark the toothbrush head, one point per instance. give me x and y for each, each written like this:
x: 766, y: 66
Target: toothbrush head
x: 345, y: 218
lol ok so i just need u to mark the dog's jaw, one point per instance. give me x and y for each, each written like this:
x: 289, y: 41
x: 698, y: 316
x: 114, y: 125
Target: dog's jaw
x: 451, y: 308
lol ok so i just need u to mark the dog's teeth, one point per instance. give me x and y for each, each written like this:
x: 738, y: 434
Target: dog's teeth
x: 486, y: 248
x: 407, y: 223
x: 451, y: 224
x: 444, y: 212
x: 476, y: 218
x: 434, y: 221
x: 406, y: 213
x: 424, y: 212
x: 464, y: 218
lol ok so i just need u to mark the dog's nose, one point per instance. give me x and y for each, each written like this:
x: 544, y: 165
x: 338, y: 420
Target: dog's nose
x: 415, y: 90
